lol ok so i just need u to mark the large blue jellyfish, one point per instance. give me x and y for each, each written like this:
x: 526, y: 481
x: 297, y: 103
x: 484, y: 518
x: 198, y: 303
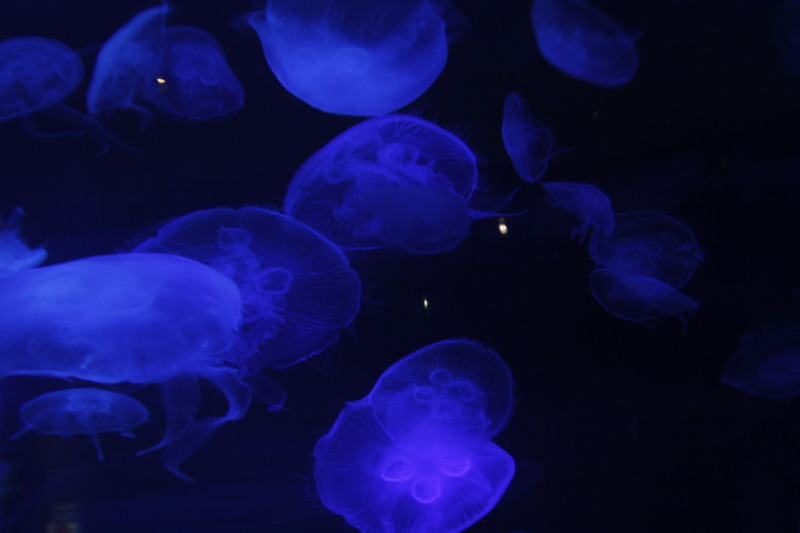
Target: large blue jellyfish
x: 393, y: 181
x: 585, y: 201
x: 353, y: 57
x: 650, y: 244
x: 14, y: 254
x: 137, y: 318
x: 297, y: 287
x: 431, y: 468
x: 193, y: 80
x: 85, y: 410
x: 582, y: 42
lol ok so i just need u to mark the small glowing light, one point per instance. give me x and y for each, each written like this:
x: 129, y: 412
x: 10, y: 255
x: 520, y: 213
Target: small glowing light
x: 161, y: 81
x: 501, y: 226
x: 425, y: 303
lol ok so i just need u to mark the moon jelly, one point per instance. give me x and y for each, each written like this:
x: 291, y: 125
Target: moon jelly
x: 193, y: 79
x: 584, y: 43
x: 297, y: 287
x: 82, y: 411
x: 353, y: 57
x: 650, y: 244
x: 639, y: 299
x: 393, y: 181
x: 14, y: 254
x: 585, y: 201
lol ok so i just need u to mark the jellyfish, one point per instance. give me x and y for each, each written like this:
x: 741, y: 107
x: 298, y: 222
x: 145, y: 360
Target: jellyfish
x: 649, y: 244
x: 786, y: 32
x: 14, y: 254
x: 87, y: 411
x: 638, y: 298
x: 529, y: 143
x: 127, y: 64
x: 767, y: 362
x: 378, y: 484
x: 392, y: 181
x: 463, y: 386
x: 193, y: 80
x: 135, y: 318
x: 585, y: 201
x: 584, y: 43
x: 297, y: 288
x: 348, y: 57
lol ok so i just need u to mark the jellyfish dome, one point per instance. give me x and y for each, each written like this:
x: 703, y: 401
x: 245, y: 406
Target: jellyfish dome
x: 297, y: 287
x: 585, y: 201
x: 584, y: 43
x: 650, y: 244
x: 193, y: 80
x: 393, y: 181
x: 82, y: 411
x: 14, y: 254
x: 353, y: 57
x: 528, y: 142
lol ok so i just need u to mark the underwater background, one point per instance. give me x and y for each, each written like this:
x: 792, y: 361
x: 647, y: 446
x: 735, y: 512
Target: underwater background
x: 615, y: 427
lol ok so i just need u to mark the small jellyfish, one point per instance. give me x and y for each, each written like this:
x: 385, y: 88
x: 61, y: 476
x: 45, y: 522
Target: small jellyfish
x: 85, y: 411
x: 529, y: 143
x: 392, y: 181
x: 193, y: 80
x: 361, y: 58
x: 14, y: 254
x: 127, y: 64
x: 650, y: 244
x: 297, y: 287
x: 585, y: 201
x: 639, y: 299
x: 584, y: 43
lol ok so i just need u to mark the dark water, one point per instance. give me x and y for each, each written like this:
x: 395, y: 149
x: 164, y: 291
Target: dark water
x: 616, y: 428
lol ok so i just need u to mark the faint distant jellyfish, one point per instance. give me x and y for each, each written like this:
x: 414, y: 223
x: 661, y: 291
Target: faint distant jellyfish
x: 583, y: 42
x: 297, y: 287
x: 137, y: 318
x: 650, y: 244
x: 353, y: 58
x: 14, y: 254
x: 84, y: 411
x: 193, y: 80
x: 639, y: 299
x: 127, y: 64
x: 786, y: 32
x: 529, y: 143
x: 585, y: 201
x: 767, y: 363
x: 393, y: 181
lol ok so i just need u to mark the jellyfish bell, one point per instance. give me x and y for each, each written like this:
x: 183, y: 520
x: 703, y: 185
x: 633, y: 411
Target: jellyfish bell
x: 585, y: 201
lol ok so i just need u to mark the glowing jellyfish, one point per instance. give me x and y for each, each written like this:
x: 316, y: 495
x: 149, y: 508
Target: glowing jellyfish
x: 297, y: 287
x: 529, y: 143
x: 393, y: 181
x: 193, y: 79
x: 650, y: 244
x: 585, y: 201
x: 767, y: 363
x: 14, y: 254
x: 85, y: 411
x: 584, y: 43
x: 350, y: 57
x: 639, y: 299
x: 138, y: 318
x: 127, y: 65
x: 463, y: 386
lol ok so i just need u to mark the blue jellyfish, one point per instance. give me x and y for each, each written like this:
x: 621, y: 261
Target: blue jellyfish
x: 347, y: 57
x: 137, y: 318
x: 463, y: 386
x: 14, y: 254
x: 584, y: 43
x: 393, y: 181
x: 767, y: 363
x: 378, y: 484
x: 585, y: 201
x: 193, y: 80
x: 127, y: 65
x: 297, y: 287
x: 650, y: 244
x: 787, y: 36
x: 85, y: 411
x: 529, y: 143
x: 639, y: 299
